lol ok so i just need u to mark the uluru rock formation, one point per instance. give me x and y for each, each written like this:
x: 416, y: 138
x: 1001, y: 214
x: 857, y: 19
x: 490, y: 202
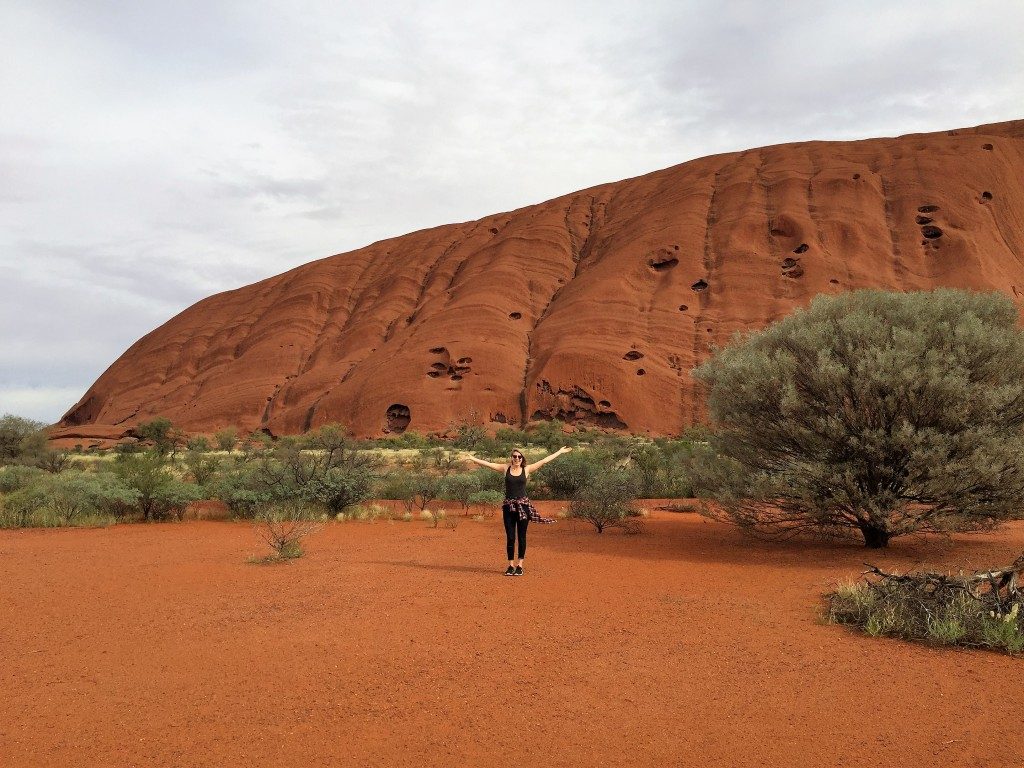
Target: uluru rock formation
x: 592, y: 307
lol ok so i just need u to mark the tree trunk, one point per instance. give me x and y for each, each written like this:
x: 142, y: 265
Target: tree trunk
x: 875, y: 538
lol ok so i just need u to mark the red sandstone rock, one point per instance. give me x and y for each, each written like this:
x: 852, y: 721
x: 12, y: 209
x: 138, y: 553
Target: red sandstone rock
x: 592, y: 307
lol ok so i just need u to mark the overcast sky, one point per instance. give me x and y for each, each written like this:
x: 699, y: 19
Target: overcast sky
x: 153, y: 153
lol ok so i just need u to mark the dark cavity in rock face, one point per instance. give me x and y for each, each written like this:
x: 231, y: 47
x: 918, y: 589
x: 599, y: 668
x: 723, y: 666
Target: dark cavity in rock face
x: 931, y: 232
x: 986, y: 195
x: 683, y: 307
x: 634, y: 355
x: 802, y: 248
x: 660, y: 265
x: 438, y: 350
x: 928, y: 209
x: 640, y: 371
x: 700, y: 285
x: 788, y: 263
x: 856, y: 176
x: 465, y: 360
x: 987, y: 147
x: 398, y: 418
x: 515, y: 315
x: 923, y: 220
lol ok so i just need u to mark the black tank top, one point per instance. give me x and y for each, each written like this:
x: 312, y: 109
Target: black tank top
x: 515, y: 487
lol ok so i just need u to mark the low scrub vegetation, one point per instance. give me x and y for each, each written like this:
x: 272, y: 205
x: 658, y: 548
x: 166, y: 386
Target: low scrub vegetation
x: 608, y: 501
x: 282, y: 527
x: 981, y: 610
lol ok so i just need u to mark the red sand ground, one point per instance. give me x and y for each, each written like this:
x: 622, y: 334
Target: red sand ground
x: 396, y: 644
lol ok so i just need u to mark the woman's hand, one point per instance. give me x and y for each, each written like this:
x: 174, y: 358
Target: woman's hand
x: 564, y: 449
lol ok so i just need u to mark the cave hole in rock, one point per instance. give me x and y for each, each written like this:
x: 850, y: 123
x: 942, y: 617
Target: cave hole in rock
x: 398, y: 417
x: 924, y: 219
x: 834, y: 281
x: 987, y: 147
x: 683, y: 307
x: 515, y: 315
x: 433, y: 374
x: 605, y: 404
x: 634, y: 355
x: 500, y: 418
x: 700, y: 285
x: 456, y: 377
x: 465, y: 360
x: 675, y: 247
x: 796, y: 271
x: 927, y: 209
x: 640, y: 371
x: 789, y: 263
x: 802, y: 248
x: 660, y: 265
x: 931, y: 232
x: 437, y: 350
x: 776, y: 232
x: 439, y: 366
x: 856, y: 176
x: 986, y: 195
x: 494, y: 230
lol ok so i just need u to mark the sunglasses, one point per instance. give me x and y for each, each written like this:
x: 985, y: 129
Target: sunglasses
x: 516, y: 456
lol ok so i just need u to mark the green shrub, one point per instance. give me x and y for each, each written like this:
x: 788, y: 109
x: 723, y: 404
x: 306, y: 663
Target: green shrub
x: 17, y: 476
x: 567, y: 476
x: 226, y: 438
x: 460, y: 488
x: 164, y: 436
x: 199, y: 444
x: 201, y: 467
x: 68, y: 498
x: 160, y: 494
x: 609, y: 500
x: 876, y: 413
x: 20, y: 439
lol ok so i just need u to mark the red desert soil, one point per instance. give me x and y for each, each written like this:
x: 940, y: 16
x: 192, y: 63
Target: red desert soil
x: 591, y: 308
x: 399, y: 645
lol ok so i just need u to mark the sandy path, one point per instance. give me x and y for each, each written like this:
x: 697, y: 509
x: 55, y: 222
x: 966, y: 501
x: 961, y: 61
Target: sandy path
x: 393, y: 644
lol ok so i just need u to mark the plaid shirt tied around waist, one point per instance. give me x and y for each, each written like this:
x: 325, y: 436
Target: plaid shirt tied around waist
x: 524, y: 507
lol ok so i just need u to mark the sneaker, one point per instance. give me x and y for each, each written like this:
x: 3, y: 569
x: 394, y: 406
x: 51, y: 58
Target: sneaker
x: 518, y: 571
x: 510, y: 571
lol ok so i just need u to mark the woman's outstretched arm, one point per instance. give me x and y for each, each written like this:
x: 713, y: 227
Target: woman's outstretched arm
x: 546, y: 459
x: 482, y: 463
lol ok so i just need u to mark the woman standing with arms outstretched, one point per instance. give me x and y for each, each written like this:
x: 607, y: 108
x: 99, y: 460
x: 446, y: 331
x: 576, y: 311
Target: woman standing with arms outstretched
x: 517, y: 511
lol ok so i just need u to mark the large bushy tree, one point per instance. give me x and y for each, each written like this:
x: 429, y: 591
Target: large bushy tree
x: 879, y: 412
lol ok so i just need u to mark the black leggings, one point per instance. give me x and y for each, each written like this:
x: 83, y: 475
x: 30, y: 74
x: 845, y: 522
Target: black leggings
x: 514, y: 525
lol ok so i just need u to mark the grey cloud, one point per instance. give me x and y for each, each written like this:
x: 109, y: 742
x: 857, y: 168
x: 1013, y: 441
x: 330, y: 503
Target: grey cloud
x: 150, y: 160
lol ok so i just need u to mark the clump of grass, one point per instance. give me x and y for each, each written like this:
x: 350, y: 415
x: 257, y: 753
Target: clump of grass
x: 982, y: 610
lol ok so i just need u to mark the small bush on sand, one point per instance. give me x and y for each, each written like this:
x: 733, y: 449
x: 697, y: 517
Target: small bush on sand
x: 980, y: 610
x: 282, y: 527
x: 161, y: 495
x: 490, y: 500
x: 608, y: 501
